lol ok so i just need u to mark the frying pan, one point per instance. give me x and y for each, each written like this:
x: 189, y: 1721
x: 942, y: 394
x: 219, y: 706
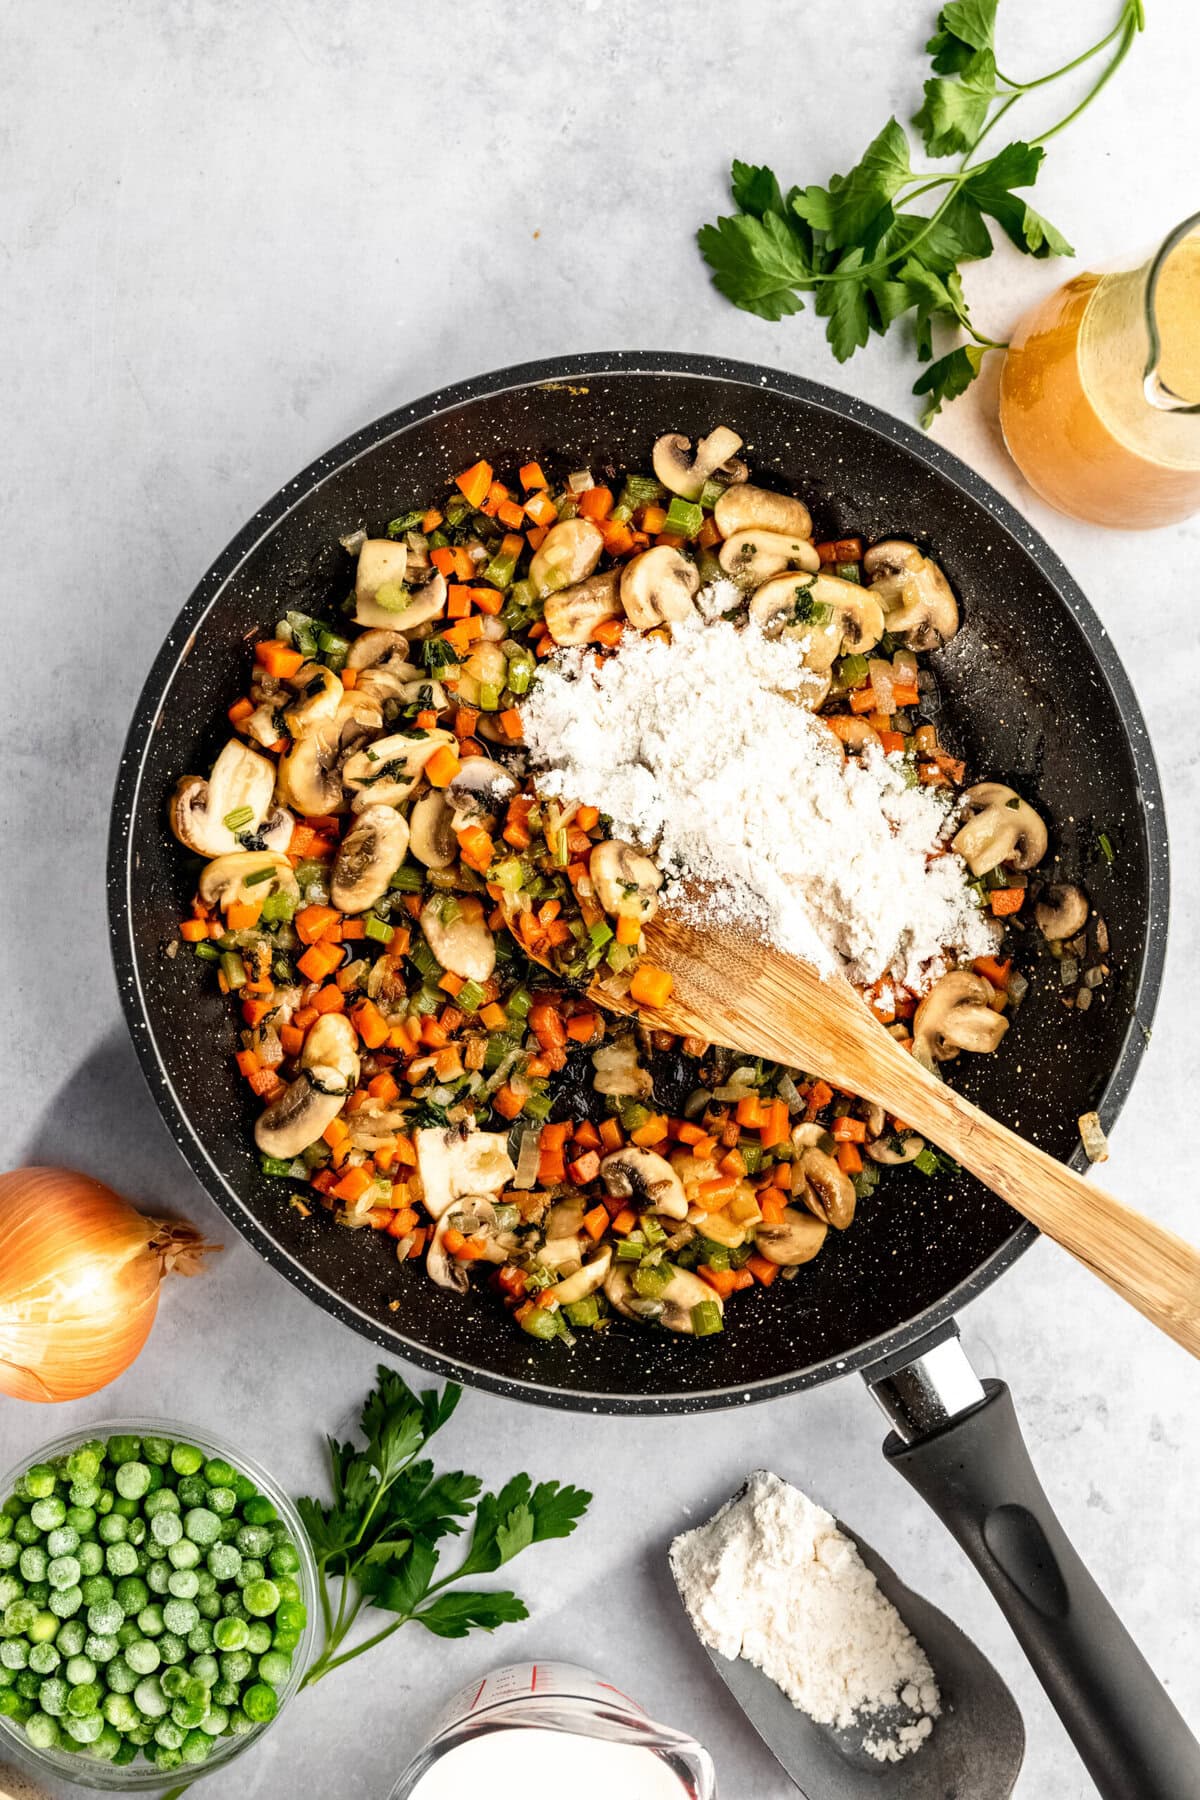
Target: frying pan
x: 1031, y: 693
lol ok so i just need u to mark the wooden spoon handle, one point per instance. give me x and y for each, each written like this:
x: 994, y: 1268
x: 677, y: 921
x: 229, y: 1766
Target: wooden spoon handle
x: 1149, y: 1266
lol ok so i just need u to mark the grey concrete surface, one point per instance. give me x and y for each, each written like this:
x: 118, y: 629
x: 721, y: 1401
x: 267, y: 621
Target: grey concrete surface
x: 231, y: 233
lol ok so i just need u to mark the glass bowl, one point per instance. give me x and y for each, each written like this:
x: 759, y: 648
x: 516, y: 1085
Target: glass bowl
x: 141, y: 1776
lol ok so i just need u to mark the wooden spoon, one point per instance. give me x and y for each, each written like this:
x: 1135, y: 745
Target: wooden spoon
x: 734, y: 991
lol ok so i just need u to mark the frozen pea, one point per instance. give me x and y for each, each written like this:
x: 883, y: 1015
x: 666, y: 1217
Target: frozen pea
x: 97, y: 1589
x: 192, y: 1491
x: 121, y: 1559
x: 197, y: 1745
x: 80, y: 1519
x: 224, y: 1562
x: 274, y: 1668
x: 40, y: 1481
x: 186, y: 1459
x: 113, y: 1528
x: 49, y: 1514
x: 205, y: 1668
x: 156, y: 1450
x: 184, y: 1554
x: 239, y: 1724
x: 100, y: 1647
x: 169, y: 1734
x: 236, y: 1665
x: 254, y: 1540
x: 188, y: 1713
x: 225, y: 1693
x: 42, y: 1731
x: 84, y: 1697
x: 222, y: 1501
x: 292, y: 1615
x: 150, y: 1620
x: 81, y: 1670
x: 125, y: 1508
x: 65, y: 1602
x: 45, y: 1658
x: 127, y: 1633
x: 149, y: 1698
x: 107, y: 1747
x: 180, y: 1616
x: 52, y: 1696
x: 261, y: 1598
x: 158, y: 1576
x: 120, y: 1677
x: 107, y: 1617
x: 230, y: 1528
x: 62, y: 1541
x: 104, y: 1501
x: 174, y: 1682
x: 11, y: 1588
x: 132, y: 1480
x: 203, y: 1526
x: 214, y: 1721
x: 90, y: 1557
x: 85, y: 1728
x: 120, y: 1711
x: 34, y: 1563
x: 165, y: 1759
x: 63, y: 1572
x: 231, y: 1605
x: 183, y: 1584
x: 142, y: 1656
x: 137, y: 1533
x: 230, y: 1634
x: 200, y: 1637
x: 166, y: 1528
x: 171, y: 1647
x: 259, y: 1638
x: 252, y: 1569
x: 161, y: 1501
x: 84, y: 1493
x: 258, y: 1510
x: 284, y: 1559
x: 208, y: 1606
x: 70, y: 1637
x: 123, y: 1447
x: 260, y: 1703
x: 132, y: 1593
x: 14, y: 1654
x: 24, y: 1530
x: 10, y: 1550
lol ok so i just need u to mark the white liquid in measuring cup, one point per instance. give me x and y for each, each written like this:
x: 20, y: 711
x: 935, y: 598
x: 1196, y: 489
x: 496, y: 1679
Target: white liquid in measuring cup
x: 554, y: 1728
x: 512, y: 1764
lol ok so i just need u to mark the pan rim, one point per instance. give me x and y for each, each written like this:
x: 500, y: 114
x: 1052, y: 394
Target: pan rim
x: 295, y: 493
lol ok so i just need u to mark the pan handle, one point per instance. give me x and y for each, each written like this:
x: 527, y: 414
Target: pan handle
x: 958, y: 1443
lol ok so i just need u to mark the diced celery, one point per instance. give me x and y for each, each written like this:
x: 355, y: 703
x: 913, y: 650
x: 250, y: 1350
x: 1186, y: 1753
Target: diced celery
x: 630, y: 1249
x: 706, y: 1319
x: 541, y: 1322
x: 500, y: 570
x: 649, y: 1280
x: 378, y: 929
x: 848, y: 571
x: 684, y: 517
x: 274, y: 1165
x: 489, y: 698
x: 233, y: 969
x: 583, y: 1313
x: 470, y: 997
x: 408, y: 879
x: 278, y: 908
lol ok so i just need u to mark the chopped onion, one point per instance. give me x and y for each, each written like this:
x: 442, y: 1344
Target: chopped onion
x: 883, y: 684
x: 1091, y: 1132
x: 528, y: 1161
x: 580, y: 481
x: 353, y: 542
x: 789, y: 1093
x: 1016, y: 987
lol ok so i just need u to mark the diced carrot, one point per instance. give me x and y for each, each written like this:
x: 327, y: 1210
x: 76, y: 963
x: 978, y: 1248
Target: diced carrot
x: 383, y: 1087
x: 476, y: 848
x: 442, y: 766
x: 625, y: 1221
x: 654, y: 517
x: 583, y: 1027
x: 585, y: 1168
x: 320, y: 960
x: 474, y: 482
x: 819, y: 1096
x: 330, y: 999
x: 243, y: 914
x: 849, y: 1130
x: 750, y: 1112
x: 554, y: 1137
x: 652, y: 1132
x: 278, y: 658
x: 762, y: 1270
x: 458, y: 601
x: 370, y: 1024
x: 404, y: 1220
x: 312, y: 922
x: 848, y: 1158
x: 493, y: 1016
x: 733, y: 1163
x: 1004, y: 901
x: 506, y: 1103
x: 535, y: 539
x: 247, y: 1062
x: 546, y: 1023
x: 241, y: 709
x: 862, y: 700
x: 596, y: 503
x: 291, y: 1039
x: 432, y: 519
x: 709, y: 534
x: 511, y: 724
x: 193, y: 931
x: 531, y: 475
x: 595, y: 1223
x: 266, y: 1084
x: 905, y: 693
x: 993, y: 970
x: 255, y: 1011
x: 433, y: 1035
x: 925, y: 739
x: 551, y: 1167
x: 722, y: 1281
x: 629, y: 929
x: 611, y: 1135
x: 771, y: 1205
x: 448, y: 1063
x: 714, y: 1194
x: 336, y: 1132
x: 512, y: 514
x: 541, y: 509
x: 619, y: 540
x: 774, y: 1128
x: 488, y: 600
x: 891, y: 741
x: 674, y: 540
x: 349, y: 678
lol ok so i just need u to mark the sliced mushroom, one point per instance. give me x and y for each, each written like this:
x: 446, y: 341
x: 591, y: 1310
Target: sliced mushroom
x: 382, y: 648
x: 657, y: 587
x: 752, y: 557
x: 684, y: 470
x: 474, y: 1216
x: 396, y: 607
x: 618, y: 1071
x: 431, y: 830
x: 1001, y: 828
x: 245, y: 876
x: 829, y: 616
x: 452, y: 1164
x: 645, y: 1178
x: 320, y: 693
x: 905, y: 1147
x: 672, y: 1308
x: 626, y: 881
x: 956, y: 1015
x: 387, y: 771
x: 573, y: 614
x: 462, y: 943
x: 569, y: 551
x: 855, y: 735
x: 917, y: 599
x: 590, y: 1277
x: 753, y: 509
x: 825, y: 1188
x: 444, y: 1270
x: 329, y: 1069
x: 240, y: 779
x: 796, y: 1238
x: 478, y: 792
x: 368, y: 856
x: 565, y: 1219
x: 1063, y: 913
x: 309, y: 776
x: 380, y: 561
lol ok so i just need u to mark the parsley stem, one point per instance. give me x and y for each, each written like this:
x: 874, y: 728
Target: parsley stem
x: 1129, y: 12
x: 326, y: 1664
x: 1130, y: 31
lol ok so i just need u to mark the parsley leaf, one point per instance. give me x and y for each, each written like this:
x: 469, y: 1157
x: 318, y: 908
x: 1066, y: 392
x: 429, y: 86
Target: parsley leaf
x: 380, y: 1535
x: 990, y: 189
x: 843, y: 303
x: 758, y: 263
x: 954, y: 111
x: 755, y: 190
x: 964, y: 27
x: 854, y: 203
x: 947, y: 378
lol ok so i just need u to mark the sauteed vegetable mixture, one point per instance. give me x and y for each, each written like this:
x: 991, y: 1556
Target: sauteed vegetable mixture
x: 383, y: 890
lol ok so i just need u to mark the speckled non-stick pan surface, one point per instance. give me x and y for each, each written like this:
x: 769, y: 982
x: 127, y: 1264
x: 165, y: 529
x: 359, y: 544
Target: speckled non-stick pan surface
x: 1033, y: 694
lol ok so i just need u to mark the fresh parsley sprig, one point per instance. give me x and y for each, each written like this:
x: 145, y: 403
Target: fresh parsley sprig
x: 859, y: 248
x: 376, y: 1546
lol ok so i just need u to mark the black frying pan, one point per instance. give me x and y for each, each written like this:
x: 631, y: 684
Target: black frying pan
x: 1033, y: 694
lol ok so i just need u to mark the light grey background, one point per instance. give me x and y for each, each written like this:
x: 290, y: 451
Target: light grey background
x: 232, y: 233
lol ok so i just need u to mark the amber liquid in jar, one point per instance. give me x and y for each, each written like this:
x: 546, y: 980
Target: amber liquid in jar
x: 1073, y: 405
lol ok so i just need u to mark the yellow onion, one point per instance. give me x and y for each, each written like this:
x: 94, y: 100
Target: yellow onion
x: 80, y: 1271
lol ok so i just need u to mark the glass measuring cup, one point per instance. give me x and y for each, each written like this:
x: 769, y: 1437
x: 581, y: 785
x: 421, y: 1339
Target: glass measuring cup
x: 526, y: 1704
x: 1100, y: 390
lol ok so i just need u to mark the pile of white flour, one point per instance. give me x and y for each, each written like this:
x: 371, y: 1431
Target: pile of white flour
x: 771, y: 1578
x: 698, y: 750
